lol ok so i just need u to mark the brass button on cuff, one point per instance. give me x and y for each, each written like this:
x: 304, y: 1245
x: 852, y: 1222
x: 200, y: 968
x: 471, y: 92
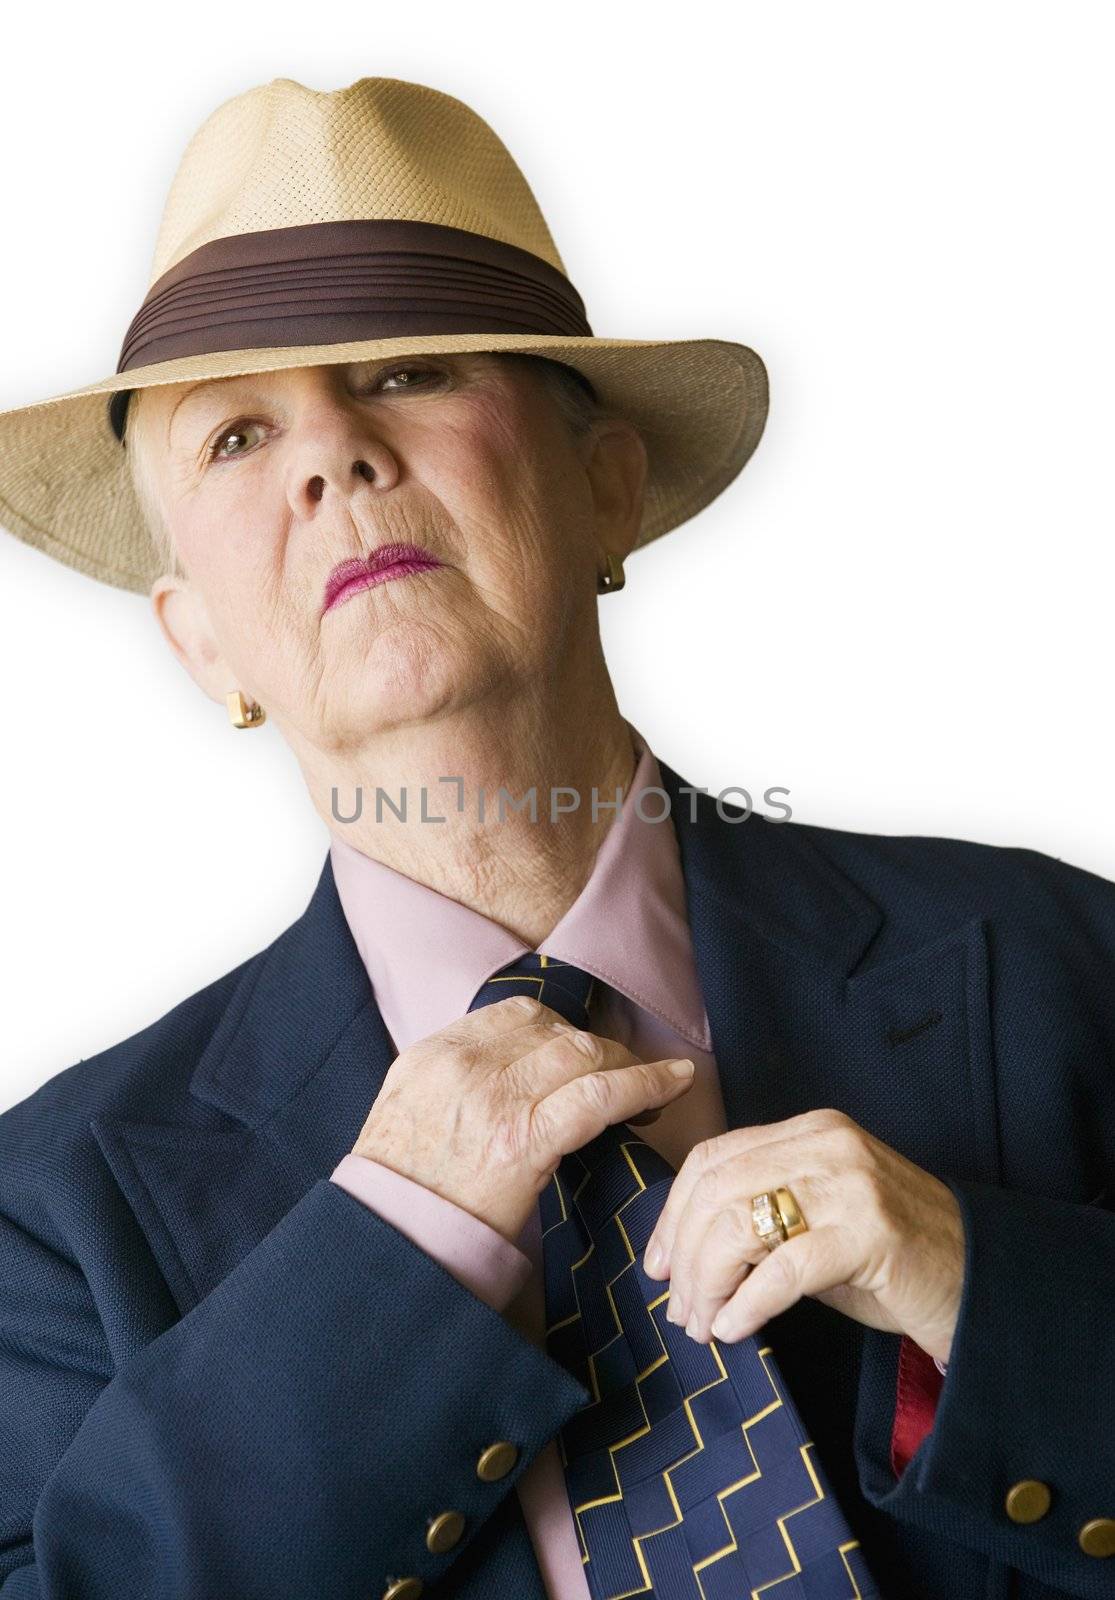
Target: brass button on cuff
x: 1097, y: 1538
x: 443, y: 1531
x: 1028, y: 1501
x: 403, y: 1589
x: 496, y: 1461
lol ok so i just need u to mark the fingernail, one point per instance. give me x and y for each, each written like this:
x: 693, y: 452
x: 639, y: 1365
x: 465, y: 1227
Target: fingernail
x: 652, y: 1261
x: 721, y: 1326
x: 682, y: 1069
x: 673, y: 1309
x: 692, y: 1326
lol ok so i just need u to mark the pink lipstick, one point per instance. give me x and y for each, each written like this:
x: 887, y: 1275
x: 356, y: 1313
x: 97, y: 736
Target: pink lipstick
x: 389, y: 561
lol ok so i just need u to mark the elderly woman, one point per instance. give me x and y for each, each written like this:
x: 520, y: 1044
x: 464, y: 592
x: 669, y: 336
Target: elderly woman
x: 351, y: 1275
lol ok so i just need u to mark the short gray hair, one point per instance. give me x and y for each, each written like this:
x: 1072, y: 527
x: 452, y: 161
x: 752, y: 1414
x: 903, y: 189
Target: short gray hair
x: 141, y: 470
x: 571, y: 392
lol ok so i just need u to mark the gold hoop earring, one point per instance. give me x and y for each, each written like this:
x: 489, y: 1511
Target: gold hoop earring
x: 612, y: 577
x: 241, y: 714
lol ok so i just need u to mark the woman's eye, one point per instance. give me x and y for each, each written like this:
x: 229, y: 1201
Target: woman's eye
x: 237, y: 438
x: 406, y: 377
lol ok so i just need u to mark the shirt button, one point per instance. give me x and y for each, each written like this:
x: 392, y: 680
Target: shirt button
x: 443, y: 1531
x: 496, y: 1461
x: 1028, y: 1500
x: 1097, y: 1538
x: 403, y: 1589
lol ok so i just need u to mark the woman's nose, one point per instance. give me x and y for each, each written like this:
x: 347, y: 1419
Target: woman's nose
x: 315, y: 488
x: 336, y: 462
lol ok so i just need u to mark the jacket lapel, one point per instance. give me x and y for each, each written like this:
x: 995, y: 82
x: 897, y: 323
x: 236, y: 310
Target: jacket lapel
x: 299, y: 1054
x: 278, y: 1096
x: 800, y: 1016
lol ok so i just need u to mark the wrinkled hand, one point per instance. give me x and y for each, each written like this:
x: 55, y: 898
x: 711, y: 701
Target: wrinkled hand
x: 884, y: 1243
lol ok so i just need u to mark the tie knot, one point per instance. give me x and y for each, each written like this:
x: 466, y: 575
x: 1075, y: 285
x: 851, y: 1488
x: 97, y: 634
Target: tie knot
x: 563, y: 987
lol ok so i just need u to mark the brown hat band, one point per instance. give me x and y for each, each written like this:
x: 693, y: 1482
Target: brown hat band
x: 338, y: 282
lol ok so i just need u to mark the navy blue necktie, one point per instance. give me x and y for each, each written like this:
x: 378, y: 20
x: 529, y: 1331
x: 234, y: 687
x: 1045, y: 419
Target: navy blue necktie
x: 690, y: 1474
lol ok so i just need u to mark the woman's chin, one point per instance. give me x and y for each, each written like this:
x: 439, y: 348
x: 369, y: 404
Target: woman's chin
x: 384, y: 702
x: 422, y: 668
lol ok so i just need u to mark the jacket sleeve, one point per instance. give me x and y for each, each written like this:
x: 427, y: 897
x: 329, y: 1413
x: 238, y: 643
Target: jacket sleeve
x: 1030, y: 1393
x: 290, y: 1436
x: 476, y: 1254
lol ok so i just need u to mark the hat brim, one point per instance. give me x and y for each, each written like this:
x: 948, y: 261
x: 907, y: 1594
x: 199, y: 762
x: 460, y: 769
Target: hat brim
x: 65, y: 487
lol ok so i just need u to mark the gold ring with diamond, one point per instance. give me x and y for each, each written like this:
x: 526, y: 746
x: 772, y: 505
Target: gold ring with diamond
x: 776, y: 1217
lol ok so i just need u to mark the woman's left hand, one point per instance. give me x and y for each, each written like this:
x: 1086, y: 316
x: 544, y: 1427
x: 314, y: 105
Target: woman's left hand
x: 884, y: 1242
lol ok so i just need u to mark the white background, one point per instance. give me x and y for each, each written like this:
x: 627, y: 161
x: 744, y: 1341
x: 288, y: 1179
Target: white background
x: 901, y: 610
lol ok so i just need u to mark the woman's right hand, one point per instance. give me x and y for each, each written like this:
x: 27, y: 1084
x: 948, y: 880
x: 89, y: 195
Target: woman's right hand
x: 482, y: 1111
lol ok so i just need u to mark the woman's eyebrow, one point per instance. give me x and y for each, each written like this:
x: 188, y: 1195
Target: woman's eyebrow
x: 204, y: 383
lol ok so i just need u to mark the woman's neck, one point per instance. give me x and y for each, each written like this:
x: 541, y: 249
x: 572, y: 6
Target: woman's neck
x: 522, y: 868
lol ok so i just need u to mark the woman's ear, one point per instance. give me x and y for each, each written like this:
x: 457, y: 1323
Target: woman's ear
x: 183, y: 619
x: 617, y: 472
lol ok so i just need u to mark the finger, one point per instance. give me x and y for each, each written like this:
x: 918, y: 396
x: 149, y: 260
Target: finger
x: 715, y: 1243
x: 514, y: 1014
x: 580, y: 1110
x: 728, y: 1252
x: 809, y: 1263
x: 554, y: 1054
x: 744, y: 1143
x: 491, y: 1021
x: 730, y: 1185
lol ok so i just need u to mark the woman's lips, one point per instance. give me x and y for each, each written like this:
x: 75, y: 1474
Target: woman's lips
x: 389, y: 561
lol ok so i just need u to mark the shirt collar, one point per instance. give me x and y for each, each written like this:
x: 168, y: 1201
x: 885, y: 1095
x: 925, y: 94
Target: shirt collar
x: 427, y: 955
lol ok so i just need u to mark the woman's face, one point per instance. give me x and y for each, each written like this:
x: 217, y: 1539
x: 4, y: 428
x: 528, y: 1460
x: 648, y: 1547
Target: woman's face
x: 268, y: 481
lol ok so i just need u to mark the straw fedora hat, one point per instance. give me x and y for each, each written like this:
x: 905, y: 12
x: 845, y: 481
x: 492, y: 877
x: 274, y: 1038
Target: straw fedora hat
x: 304, y: 228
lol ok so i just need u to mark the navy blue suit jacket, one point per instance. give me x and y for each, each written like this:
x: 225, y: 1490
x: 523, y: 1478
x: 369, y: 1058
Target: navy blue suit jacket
x: 222, y: 1376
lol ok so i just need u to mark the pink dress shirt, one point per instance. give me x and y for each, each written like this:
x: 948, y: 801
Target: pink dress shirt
x: 427, y: 955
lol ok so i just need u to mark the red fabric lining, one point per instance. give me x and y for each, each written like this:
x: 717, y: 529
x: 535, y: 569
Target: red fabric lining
x: 919, y: 1385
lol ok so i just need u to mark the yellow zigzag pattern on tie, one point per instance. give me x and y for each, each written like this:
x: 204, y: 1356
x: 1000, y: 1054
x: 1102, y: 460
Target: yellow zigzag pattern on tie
x: 544, y: 961
x: 729, y: 1548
